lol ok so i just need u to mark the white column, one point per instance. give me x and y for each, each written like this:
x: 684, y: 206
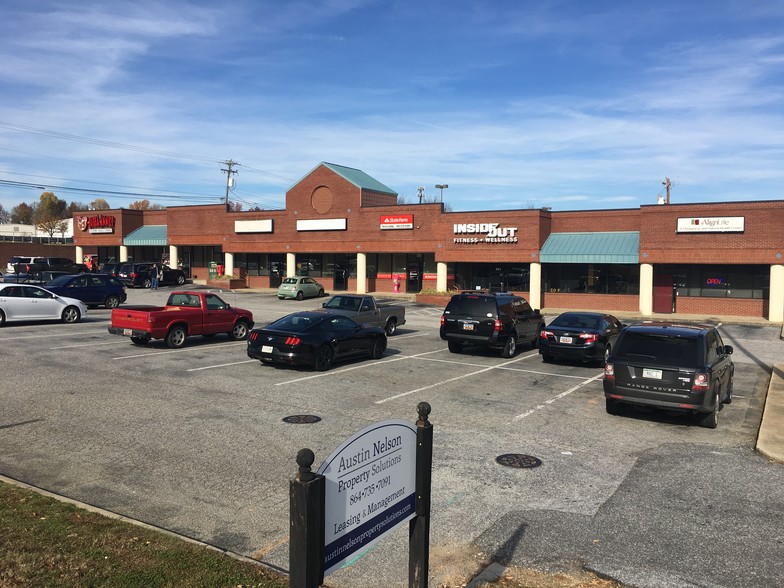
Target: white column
x: 441, y: 277
x: 174, y: 260
x: 291, y: 265
x: 535, y: 285
x: 228, y: 262
x: 79, y: 254
x: 646, y: 289
x: 361, y: 273
x: 123, y: 253
x: 776, y: 295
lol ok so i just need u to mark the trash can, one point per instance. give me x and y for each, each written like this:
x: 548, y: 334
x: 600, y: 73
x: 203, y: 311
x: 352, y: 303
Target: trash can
x: 219, y: 268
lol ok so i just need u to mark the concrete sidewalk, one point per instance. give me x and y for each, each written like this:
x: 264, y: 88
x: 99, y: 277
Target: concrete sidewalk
x: 770, y: 441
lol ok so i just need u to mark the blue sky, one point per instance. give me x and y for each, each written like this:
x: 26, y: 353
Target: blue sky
x: 571, y: 104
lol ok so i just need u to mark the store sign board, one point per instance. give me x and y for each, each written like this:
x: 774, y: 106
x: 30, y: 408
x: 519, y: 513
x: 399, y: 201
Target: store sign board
x: 102, y: 223
x: 370, y: 489
x: 484, y: 233
x: 396, y: 221
x: 716, y: 224
x: 253, y: 226
x: 322, y: 224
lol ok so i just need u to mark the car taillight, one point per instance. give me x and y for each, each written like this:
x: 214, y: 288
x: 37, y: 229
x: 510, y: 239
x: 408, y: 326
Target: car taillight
x: 609, y: 371
x: 546, y: 334
x: 589, y: 337
x: 253, y: 336
x: 132, y: 275
x: 700, y: 383
x: 442, y: 320
x: 293, y: 341
x: 497, y: 325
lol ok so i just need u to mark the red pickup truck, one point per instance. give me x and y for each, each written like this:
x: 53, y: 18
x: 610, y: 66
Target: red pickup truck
x: 185, y: 314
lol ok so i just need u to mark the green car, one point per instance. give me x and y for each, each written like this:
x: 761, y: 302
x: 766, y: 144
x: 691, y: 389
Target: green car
x: 300, y: 287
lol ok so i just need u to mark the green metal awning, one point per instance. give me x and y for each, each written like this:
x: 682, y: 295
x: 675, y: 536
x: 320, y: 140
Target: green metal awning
x: 149, y: 235
x: 620, y: 247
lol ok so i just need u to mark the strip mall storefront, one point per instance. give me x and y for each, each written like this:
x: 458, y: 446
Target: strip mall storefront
x: 346, y: 229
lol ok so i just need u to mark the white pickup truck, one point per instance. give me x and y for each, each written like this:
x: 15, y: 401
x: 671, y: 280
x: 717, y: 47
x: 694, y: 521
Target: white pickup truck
x: 364, y: 309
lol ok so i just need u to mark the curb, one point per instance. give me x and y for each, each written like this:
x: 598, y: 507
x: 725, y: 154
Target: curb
x: 770, y: 439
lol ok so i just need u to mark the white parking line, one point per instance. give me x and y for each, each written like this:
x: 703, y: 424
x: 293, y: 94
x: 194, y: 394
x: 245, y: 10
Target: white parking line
x: 556, y: 397
x: 396, y: 396
x: 86, y: 345
x: 49, y: 335
x: 511, y: 369
x: 210, y: 367
x: 179, y: 350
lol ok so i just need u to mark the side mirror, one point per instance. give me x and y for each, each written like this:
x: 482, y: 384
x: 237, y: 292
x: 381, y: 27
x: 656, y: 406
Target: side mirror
x: 728, y: 349
x: 323, y: 305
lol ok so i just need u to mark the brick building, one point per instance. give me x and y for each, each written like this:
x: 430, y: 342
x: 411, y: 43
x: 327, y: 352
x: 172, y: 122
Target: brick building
x: 346, y: 229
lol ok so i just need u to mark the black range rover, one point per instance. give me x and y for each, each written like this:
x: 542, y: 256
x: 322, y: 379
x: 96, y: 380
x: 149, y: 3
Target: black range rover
x: 670, y: 366
x: 490, y: 319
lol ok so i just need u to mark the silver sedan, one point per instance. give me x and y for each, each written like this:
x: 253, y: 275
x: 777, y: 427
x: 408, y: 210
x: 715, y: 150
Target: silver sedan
x: 25, y: 302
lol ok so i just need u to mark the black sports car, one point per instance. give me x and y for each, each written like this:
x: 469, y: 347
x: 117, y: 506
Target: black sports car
x: 579, y: 336
x: 316, y: 338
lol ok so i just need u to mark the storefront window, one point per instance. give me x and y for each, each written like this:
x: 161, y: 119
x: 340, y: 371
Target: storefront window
x: 718, y: 281
x: 496, y: 277
x: 591, y: 278
x: 371, y: 265
x: 256, y: 264
x: 308, y: 264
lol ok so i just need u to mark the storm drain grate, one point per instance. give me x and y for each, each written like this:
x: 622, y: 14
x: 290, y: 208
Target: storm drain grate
x: 518, y: 460
x: 301, y: 419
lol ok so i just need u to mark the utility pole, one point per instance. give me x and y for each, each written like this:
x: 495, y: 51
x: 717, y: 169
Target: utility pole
x: 667, y: 184
x: 228, y: 171
x: 421, y: 193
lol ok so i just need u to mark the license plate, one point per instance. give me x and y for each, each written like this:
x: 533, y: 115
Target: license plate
x: 564, y: 339
x: 652, y: 374
x: 127, y: 332
x: 266, y: 348
x: 468, y: 327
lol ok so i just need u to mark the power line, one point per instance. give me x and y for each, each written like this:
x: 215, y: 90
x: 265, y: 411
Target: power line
x: 17, y: 184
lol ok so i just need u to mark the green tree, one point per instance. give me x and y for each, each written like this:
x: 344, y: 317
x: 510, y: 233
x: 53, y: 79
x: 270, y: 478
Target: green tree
x: 23, y: 213
x: 50, y: 214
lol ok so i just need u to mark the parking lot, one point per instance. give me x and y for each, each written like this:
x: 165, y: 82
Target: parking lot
x: 192, y: 440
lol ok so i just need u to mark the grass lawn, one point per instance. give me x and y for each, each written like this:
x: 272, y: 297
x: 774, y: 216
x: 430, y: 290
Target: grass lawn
x: 44, y: 542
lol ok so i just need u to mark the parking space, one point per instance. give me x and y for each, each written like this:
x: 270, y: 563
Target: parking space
x: 193, y: 439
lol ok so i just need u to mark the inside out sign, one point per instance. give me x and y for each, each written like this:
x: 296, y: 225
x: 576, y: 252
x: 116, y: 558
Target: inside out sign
x: 490, y: 233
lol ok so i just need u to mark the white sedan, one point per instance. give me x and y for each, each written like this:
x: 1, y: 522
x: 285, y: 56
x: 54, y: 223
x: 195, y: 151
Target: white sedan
x: 24, y: 302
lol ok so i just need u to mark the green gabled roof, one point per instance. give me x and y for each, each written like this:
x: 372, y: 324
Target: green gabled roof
x: 620, y: 247
x: 357, y: 177
x: 147, y: 235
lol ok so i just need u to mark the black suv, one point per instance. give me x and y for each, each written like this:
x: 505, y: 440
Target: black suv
x: 670, y: 366
x: 138, y: 275
x: 491, y: 319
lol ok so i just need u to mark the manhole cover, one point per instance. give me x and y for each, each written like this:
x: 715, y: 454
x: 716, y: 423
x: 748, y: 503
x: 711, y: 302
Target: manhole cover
x: 518, y: 460
x: 301, y: 419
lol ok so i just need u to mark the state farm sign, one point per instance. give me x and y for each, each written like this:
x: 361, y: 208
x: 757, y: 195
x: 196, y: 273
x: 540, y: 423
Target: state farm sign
x: 97, y: 224
x: 486, y: 233
x: 396, y: 221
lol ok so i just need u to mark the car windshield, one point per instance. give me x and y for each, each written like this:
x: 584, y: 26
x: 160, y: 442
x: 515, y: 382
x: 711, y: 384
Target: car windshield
x: 61, y: 281
x: 472, y: 305
x: 577, y: 321
x: 294, y: 323
x: 659, y: 349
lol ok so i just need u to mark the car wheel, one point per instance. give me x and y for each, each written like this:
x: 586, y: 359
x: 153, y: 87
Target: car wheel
x: 146, y: 283
x: 300, y: 295
x: 112, y: 302
x: 711, y: 420
x: 454, y: 347
x: 511, y: 346
x: 2, y: 318
x: 323, y: 360
x: 379, y: 346
x: 240, y: 331
x: 391, y: 327
x: 180, y: 280
x: 612, y: 406
x: 140, y: 340
x: 176, y: 337
x: 321, y: 292
x: 71, y: 314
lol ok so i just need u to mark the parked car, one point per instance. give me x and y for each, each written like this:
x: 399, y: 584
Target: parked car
x: 111, y: 269
x: 92, y: 289
x: 300, y: 287
x: 185, y: 314
x: 26, y: 302
x: 31, y: 265
x: 580, y: 336
x: 491, y: 319
x: 316, y: 338
x: 137, y: 275
x: 670, y: 366
x: 365, y: 310
x: 39, y: 278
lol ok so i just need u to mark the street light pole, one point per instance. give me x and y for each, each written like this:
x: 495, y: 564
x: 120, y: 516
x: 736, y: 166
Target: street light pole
x: 441, y: 187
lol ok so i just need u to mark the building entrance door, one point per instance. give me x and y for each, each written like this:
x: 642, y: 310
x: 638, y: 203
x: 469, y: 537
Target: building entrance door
x: 663, y: 293
x: 414, y: 277
x: 340, y: 279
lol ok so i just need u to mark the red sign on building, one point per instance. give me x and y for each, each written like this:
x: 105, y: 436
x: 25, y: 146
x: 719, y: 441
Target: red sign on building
x: 396, y: 221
